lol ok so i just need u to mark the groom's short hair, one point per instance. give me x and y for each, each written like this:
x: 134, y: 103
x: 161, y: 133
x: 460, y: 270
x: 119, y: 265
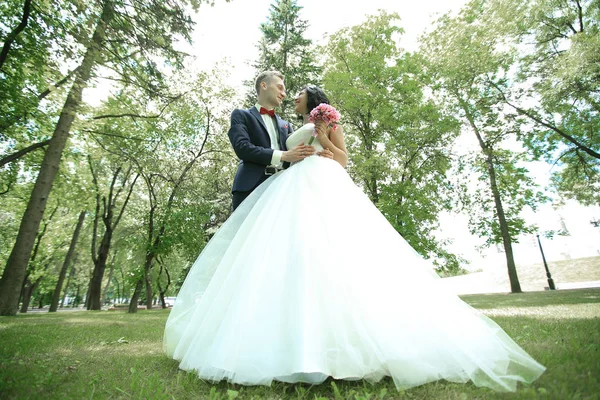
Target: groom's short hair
x: 266, y: 76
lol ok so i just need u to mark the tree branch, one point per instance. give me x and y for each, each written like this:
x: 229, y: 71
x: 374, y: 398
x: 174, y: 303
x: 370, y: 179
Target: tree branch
x: 58, y: 84
x: 40, y: 97
x: 15, y: 32
x: 111, y: 198
x: 16, y: 155
x: 132, y: 115
x: 580, y: 12
x: 126, y: 200
x: 563, y: 134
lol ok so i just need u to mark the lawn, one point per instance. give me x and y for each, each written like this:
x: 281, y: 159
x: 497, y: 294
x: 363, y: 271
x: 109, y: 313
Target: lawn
x: 114, y: 355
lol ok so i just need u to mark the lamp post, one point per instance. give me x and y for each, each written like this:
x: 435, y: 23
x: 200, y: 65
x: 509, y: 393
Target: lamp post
x: 550, y: 281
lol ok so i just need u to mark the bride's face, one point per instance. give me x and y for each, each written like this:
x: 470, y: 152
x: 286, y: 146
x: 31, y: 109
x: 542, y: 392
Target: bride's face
x: 301, y: 99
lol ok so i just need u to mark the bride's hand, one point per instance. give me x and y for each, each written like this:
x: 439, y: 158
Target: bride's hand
x: 298, y: 153
x: 321, y: 129
x: 326, y: 153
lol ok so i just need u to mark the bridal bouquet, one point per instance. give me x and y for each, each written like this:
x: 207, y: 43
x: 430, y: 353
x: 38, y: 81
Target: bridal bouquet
x: 326, y: 113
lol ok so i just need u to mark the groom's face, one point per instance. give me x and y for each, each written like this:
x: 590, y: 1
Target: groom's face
x: 274, y: 91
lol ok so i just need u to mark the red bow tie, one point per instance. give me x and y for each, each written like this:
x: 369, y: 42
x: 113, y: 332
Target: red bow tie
x: 265, y: 111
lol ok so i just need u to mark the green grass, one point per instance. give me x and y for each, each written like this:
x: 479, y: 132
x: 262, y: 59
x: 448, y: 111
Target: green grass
x: 114, y: 355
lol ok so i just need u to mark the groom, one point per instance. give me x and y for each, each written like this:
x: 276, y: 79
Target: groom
x: 258, y: 138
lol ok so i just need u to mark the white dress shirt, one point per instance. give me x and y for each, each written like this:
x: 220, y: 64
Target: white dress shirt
x: 273, y: 129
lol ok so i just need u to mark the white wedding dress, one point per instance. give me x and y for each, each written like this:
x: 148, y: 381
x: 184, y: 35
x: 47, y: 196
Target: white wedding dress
x: 307, y: 279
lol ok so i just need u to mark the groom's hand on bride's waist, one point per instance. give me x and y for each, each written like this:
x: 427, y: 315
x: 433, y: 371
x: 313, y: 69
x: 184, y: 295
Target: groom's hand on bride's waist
x: 298, y: 153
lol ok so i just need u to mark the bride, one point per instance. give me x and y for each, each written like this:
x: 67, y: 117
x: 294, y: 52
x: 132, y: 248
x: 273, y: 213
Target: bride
x: 307, y: 280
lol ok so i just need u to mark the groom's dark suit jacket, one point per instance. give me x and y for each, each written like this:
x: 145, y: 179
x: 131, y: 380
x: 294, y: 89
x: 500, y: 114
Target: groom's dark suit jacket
x: 252, y: 144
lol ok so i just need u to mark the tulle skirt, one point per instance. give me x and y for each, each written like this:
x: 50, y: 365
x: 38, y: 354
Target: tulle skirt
x: 307, y: 279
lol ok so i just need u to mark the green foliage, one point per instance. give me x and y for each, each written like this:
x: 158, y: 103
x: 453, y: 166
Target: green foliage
x: 148, y: 124
x: 558, y: 74
x: 284, y: 48
x: 31, y: 90
x: 469, y: 67
x: 397, y: 137
x: 185, y: 166
x: 517, y: 190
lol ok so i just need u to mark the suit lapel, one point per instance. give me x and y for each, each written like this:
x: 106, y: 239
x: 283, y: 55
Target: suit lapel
x: 257, y: 115
x: 281, y: 132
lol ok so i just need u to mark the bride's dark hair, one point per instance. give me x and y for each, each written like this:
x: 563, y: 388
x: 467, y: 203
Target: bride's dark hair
x: 314, y: 97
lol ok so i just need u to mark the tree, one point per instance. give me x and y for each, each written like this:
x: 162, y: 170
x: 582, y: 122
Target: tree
x: 467, y: 63
x: 66, y: 263
x: 146, y: 30
x: 559, y: 91
x: 190, y: 131
x: 17, y: 262
x: 284, y: 48
x: 36, y: 268
x: 162, y: 290
x: 29, y: 44
x: 121, y: 184
x: 396, y: 136
x: 110, y: 276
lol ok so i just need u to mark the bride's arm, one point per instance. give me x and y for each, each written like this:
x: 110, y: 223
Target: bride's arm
x: 335, y: 142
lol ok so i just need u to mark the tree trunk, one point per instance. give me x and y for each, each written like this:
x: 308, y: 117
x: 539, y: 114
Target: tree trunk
x: 133, y: 303
x: 27, y: 288
x: 95, y: 291
x: 161, y: 290
x: 148, y: 281
x: 71, y: 274
x: 41, y: 301
x: 16, y: 266
x: 123, y: 290
x: 65, y: 266
x: 77, y: 298
x: 87, y: 295
x: 110, y: 276
x: 119, y: 296
x: 27, y: 292
x: 143, y: 281
x: 110, y: 224
x: 515, y: 286
x: 23, y: 286
x: 30, y: 288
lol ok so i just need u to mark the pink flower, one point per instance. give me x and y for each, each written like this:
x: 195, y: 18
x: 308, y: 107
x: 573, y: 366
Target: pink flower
x: 326, y: 113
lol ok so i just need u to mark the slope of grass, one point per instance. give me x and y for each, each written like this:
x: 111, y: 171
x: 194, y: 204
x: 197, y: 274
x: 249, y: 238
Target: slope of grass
x: 532, y: 277
x: 563, y: 272
x: 114, y: 355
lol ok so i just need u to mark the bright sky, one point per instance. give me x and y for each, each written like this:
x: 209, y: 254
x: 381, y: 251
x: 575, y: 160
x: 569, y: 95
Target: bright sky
x: 231, y: 30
